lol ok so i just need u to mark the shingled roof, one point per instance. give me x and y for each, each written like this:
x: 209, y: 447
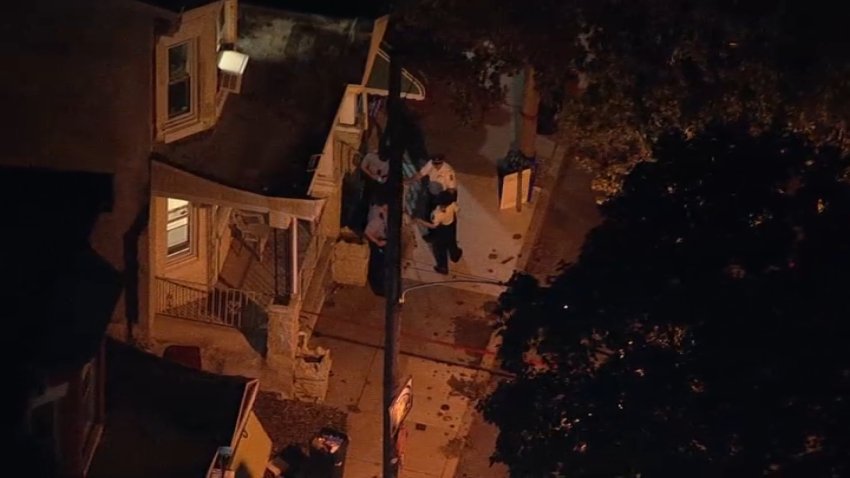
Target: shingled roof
x: 163, y: 419
x: 299, y: 68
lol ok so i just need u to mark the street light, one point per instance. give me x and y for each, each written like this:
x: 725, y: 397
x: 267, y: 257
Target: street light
x: 445, y: 282
x: 400, y: 405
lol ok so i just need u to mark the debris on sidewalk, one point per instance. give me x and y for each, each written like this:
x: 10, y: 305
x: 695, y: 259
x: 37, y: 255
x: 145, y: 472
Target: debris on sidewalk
x: 312, y: 372
x: 290, y: 422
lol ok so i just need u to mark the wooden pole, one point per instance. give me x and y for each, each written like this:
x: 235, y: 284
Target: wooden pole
x: 392, y: 266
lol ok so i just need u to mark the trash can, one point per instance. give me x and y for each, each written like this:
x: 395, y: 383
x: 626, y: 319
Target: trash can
x: 516, y: 162
x: 328, y: 451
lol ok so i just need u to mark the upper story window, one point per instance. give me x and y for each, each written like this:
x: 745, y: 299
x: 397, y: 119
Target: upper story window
x: 220, y: 31
x: 189, y: 93
x: 180, y: 85
x: 189, y: 98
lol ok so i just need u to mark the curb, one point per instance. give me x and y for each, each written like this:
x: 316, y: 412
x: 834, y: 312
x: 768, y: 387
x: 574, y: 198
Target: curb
x: 542, y: 207
x: 488, y: 360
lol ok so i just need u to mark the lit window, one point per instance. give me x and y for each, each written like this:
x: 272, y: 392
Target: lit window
x: 179, y: 226
x: 179, y: 80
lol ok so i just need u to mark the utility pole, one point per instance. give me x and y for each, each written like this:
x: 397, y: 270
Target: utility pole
x: 392, y: 266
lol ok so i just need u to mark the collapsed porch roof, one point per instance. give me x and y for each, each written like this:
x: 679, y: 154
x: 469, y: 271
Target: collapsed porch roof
x: 169, y: 181
x: 379, y: 79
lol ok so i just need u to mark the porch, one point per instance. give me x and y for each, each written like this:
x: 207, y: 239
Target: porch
x: 258, y: 276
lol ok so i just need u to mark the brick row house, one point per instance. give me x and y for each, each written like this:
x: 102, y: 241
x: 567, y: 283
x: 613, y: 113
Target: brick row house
x: 246, y: 200
x: 260, y: 113
x: 225, y: 131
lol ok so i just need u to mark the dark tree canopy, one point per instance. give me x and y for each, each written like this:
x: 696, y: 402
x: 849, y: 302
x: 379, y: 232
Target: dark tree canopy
x: 703, y: 330
x: 470, y: 44
x: 650, y: 65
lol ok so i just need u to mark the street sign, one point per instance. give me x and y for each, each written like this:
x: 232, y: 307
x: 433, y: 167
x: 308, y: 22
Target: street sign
x: 400, y: 407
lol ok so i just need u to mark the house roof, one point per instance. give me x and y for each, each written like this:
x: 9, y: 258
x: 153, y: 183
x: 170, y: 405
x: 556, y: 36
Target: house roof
x: 298, y: 70
x: 163, y: 419
x: 61, y: 288
x: 178, y: 5
x: 379, y: 79
x: 98, y: 117
x: 332, y: 8
x: 58, y: 294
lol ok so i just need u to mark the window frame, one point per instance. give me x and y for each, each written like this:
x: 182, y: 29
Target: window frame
x: 193, y: 77
x: 221, y: 28
x: 192, y: 33
x: 191, y: 228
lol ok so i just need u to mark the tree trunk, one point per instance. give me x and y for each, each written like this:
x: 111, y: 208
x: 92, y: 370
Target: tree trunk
x: 528, y: 127
x: 530, y: 106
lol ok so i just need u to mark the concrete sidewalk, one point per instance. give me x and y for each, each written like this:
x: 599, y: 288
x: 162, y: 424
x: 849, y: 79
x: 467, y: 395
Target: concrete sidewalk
x: 447, y: 344
x: 492, y: 239
x: 445, y: 332
x: 433, y: 444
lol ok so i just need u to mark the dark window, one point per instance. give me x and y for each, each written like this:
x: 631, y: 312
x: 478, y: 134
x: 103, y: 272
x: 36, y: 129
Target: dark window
x: 179, y: 80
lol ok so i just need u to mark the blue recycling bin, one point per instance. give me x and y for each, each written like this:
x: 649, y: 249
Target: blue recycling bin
x: 328, y: 451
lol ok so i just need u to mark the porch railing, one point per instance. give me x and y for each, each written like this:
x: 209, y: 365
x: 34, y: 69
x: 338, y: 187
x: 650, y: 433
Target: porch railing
x: 219, y: 306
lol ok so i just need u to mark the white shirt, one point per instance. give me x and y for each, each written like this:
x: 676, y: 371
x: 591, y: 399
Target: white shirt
x: 439, y: 179
x: 377, y: 224
x: 373, y: 164
x: 445, y: 217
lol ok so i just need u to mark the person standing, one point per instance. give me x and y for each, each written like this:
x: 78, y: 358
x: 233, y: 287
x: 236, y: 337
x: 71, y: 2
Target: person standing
x: 437, y: 176
x: 376, y: 234
x: 443, y: 232
x: 375, y: 167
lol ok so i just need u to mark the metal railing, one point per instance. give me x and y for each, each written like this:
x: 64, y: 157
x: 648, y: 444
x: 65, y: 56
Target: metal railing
x: 219, y: 306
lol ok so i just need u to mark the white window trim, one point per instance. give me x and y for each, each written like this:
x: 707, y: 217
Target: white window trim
x: 361, y: 110
x: 172, y: 129
x: 191, y: 252
x: 193, y: 114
